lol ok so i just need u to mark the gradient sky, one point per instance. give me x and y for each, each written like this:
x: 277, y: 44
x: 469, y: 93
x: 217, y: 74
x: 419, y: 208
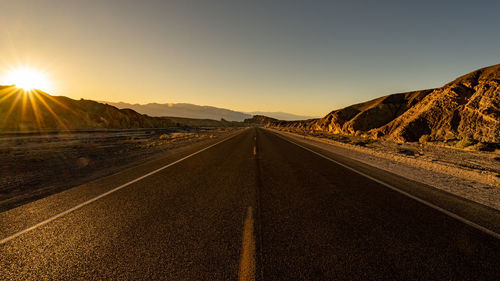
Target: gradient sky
x: 303, y: 57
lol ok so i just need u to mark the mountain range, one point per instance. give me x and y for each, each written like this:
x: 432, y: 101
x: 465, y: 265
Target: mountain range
x: 188, y: 110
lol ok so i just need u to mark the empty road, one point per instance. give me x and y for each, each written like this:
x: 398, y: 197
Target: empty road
x: 253, y: 206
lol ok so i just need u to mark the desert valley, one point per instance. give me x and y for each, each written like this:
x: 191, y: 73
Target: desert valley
x: 452, y: 132
x: 249, y: 140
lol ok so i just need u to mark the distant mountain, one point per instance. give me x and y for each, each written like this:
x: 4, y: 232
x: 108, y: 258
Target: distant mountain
x: 184, y: 110
x: 37, y: 110
x: 281, y: 115
x: 197, y: 111
x: 468, y: 107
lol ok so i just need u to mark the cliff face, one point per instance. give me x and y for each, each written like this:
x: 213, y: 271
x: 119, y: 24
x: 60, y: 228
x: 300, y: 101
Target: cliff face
x: 36, y: 110
x: 468, y: 107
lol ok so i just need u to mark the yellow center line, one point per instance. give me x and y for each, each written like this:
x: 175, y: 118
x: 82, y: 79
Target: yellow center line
x: 247, y: 261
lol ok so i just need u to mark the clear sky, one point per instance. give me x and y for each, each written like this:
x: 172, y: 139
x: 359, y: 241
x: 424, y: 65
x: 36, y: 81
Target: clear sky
x: 304, y: 57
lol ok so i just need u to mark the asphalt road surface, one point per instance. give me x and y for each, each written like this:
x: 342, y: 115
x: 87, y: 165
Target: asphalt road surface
x: 254, y: 206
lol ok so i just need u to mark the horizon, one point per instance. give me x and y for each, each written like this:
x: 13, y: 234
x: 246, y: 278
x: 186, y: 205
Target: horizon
x: 271, y: 57
x: 249, y: 140
x: 206, y: 105
x: 25, y: 95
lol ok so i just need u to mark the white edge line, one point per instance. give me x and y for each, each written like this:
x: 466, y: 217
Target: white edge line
x: 8, y: 238
x: 429, y: 204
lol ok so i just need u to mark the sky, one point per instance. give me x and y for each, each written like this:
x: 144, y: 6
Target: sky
x: 303, y: 57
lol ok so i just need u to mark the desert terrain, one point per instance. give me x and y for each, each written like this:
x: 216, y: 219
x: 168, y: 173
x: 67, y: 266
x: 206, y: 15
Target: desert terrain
x: 415, y: 156
x: 37, y: 164
x: 51, y: 143
x: 249, y: 140
x: 450, y: 134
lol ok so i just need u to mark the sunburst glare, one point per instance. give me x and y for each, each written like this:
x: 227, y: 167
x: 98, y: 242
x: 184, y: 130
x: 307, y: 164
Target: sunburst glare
x: 27, y: 79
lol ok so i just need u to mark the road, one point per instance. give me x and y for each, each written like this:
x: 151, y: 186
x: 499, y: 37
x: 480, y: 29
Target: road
x: 255, y: 205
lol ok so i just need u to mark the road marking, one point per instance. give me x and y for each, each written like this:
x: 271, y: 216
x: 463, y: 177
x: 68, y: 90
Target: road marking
x: 428, y: 204
x: 247, y: 261
x: 255, y: 145
x: 8, y: 238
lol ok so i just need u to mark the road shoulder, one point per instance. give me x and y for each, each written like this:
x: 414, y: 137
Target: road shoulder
x: 480, y: 214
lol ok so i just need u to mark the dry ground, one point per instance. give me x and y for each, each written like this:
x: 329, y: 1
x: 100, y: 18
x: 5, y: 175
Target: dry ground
x: 34, y: 165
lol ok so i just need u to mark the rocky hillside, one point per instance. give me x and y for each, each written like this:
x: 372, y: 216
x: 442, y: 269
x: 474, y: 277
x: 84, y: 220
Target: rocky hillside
x: 468, y: 107
x: 36, y: 110
x: 359, y: 118
x: 372, y: 114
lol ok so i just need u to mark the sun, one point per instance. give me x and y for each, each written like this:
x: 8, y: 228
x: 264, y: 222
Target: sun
x: 27, y: 79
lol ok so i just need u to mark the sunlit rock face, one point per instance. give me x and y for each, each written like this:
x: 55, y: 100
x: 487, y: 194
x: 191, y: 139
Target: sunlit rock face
x: 362, y: 117
x: 468, y: 107
x: 369, y: 115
